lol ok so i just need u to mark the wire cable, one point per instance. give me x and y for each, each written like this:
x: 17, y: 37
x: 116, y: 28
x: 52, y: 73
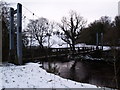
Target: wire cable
x: 31, y: 12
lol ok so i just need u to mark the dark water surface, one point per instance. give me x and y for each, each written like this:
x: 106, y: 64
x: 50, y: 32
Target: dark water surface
x: 98, y: 73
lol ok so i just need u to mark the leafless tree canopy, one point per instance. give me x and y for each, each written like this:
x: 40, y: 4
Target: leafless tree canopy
x: 39, y: 29
x: 71, y: 27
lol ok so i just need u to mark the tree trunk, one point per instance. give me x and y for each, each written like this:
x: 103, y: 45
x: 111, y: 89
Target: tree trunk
x: 73, y: 47
x: 48, y: 41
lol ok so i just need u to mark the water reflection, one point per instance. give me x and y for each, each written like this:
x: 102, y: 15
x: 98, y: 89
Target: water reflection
x: 98, y: 72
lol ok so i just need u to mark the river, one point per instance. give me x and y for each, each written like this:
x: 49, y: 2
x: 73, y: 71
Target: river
x: 94, y: 72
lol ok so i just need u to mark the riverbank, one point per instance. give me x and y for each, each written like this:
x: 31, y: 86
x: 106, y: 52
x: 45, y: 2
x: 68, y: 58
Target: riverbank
x: 31, y: 75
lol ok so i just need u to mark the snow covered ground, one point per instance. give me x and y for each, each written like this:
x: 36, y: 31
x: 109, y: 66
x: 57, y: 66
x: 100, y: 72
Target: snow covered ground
x: 32, y: 76
x: 84, y: 45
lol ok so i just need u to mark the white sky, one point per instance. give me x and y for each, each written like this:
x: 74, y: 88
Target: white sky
x: 55, y: 9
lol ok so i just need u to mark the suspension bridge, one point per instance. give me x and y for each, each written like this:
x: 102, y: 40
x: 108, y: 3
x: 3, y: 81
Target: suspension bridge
x: 49, y: 53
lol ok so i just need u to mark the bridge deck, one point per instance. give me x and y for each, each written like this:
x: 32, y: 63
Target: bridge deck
x: 62, y: 53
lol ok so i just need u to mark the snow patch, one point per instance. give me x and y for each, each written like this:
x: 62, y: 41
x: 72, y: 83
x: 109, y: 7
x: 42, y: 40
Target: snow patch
x: 32, y: 76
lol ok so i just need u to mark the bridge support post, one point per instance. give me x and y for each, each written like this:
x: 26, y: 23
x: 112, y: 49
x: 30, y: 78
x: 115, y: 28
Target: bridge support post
x: 19, y: 33
x: 97, y: 41
x: 102, y: 41
x: 11, y: 36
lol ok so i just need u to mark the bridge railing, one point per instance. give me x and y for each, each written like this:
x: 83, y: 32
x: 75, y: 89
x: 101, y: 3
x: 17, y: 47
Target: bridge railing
x: 37, y: 52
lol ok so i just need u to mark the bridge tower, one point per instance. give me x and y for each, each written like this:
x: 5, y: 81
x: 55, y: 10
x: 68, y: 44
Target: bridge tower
x: 18, y: 11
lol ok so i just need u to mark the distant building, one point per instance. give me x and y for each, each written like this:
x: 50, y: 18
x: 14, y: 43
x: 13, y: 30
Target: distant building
x: 119, y: 8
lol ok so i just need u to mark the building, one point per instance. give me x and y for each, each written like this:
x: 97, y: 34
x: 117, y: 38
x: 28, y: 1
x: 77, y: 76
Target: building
x: 119, y: 8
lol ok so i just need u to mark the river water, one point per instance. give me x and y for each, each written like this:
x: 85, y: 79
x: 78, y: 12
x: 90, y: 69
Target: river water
x: 97, y: 72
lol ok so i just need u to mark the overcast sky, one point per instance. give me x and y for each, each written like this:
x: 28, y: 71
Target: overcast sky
x: 55, y: 9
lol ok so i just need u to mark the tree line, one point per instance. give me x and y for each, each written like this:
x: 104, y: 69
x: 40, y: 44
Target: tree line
x: 109, y: 28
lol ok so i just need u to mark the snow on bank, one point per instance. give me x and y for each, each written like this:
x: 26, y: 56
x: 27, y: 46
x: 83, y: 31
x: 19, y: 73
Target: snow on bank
x: 32, y: 76
x: 84, y: 45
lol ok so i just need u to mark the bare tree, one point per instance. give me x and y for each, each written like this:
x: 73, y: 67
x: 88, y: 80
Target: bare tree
x: 38, y: 29
x: 41, y: 30
x: 71, y: 27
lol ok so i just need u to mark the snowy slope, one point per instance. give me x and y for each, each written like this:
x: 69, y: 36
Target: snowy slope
x: 32, y: 76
